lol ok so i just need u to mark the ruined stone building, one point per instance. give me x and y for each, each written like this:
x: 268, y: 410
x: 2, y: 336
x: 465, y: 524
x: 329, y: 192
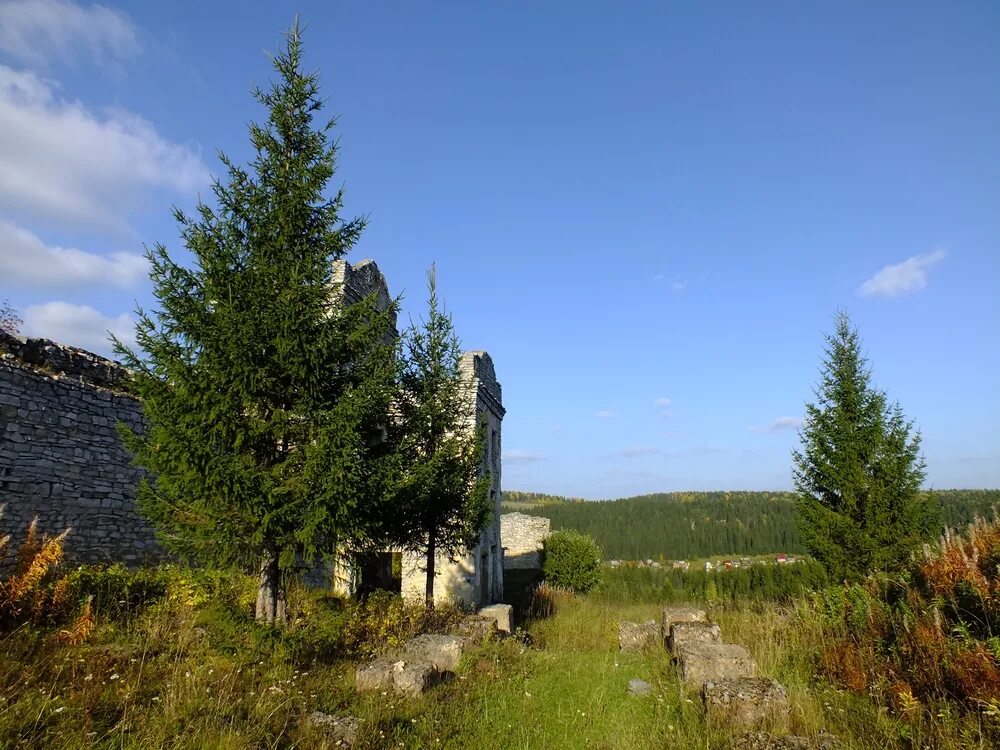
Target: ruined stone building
x: 61, y: 459
x: 475, y: 578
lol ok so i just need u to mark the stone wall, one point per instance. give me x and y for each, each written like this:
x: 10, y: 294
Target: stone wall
x: 523, y: 537
x: 60, y: 456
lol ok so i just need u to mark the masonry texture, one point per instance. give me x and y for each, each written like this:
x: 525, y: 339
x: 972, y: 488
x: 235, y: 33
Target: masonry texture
x: 60, y: 456
x: 523, y: 538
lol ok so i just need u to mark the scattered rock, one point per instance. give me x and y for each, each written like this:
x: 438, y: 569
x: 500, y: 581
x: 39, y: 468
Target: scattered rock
x: 636, y: 636
x: 749, y: 701
x: 699, y: 663
x: 639, y: 687
x: 341, y: 730
x: 501, y: 613
x: 765, y: 741
x: 686, y: 633
x: 443, y: 652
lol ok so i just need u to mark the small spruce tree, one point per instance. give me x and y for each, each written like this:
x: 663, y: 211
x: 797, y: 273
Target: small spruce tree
x: 262, y: 390
x: 443, y: 491
x: 859, y: 472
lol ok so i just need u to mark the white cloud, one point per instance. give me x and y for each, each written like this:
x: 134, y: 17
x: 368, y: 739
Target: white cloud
x: 36, y: 31
x: 678, y: 286
x: 658, y: 277
x: 604, y: 414
x: 61, y: 161
x: 662, y: 402
x: 903, y: 278
x: 522, y: 457
x: 27, y: 261
x: 780, y: 424
x: 77, y: 325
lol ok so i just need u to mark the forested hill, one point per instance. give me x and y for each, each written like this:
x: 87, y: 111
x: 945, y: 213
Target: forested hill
x: 690, y: 525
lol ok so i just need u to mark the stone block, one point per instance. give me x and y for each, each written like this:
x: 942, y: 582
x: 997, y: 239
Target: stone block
x: 342, y: 731
x: 699, y: 663
x: 765, y: 741
x: 636, y: 636
x: 477, y: 629
x: 414, y: 678
x: 685, y: 633
x: 375, y: 675
x: 443, y: 652
x: 501, y: 613
x: 397, y: 674
x: 750, y: 701
x: 681, y: 613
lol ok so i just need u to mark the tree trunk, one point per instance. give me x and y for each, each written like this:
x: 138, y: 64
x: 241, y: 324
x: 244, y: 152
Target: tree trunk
x: 271, y: 592
x: 431, y: 555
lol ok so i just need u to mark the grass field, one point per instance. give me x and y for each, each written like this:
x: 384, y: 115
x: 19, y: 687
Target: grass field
x: 190, y: 674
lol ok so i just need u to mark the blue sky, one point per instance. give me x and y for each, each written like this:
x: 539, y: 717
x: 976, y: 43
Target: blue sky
x: 648, y: 213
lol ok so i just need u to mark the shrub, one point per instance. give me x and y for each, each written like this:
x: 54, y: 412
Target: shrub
x: 572, y: 561
x: 29, y: 592
x: 923, y: 635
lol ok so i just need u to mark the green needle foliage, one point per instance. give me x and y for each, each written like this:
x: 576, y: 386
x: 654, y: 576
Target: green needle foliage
x: 264, y: 393
x: 859, y: 472
x: 443, y: 489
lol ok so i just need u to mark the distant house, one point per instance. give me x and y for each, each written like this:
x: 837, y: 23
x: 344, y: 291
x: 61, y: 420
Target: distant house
x: 708, y: 565
x: 729, y: 564
x: 782, y: 558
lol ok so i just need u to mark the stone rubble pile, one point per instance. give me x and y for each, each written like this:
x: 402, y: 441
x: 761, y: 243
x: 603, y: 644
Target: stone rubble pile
x: 426, y: 660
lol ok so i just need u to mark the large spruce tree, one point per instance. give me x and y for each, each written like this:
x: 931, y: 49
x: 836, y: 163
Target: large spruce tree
x: 859, y: 472
x: 443, y: 490
x: 264, y: 392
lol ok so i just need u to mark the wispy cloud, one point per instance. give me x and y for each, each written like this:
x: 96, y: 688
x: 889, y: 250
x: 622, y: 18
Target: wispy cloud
x: 77, y: 325
x: 663, y: 405
x: 658, y: 277
x: 780, y: 424
x: 604, y: 414
x: 636, y: 451
x: 28, y: 262
x: 39, y: 31
x: 903, y: 278
x: 678, y: 286
x: 63, y: 162
x: 522, y: 457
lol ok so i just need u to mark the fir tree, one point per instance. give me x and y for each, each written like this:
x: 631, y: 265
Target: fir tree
x: 443, y: 490
x: 859, y: 472
x: 262, y: 391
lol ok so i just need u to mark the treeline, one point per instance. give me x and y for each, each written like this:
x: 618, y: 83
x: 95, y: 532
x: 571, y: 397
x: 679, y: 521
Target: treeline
x: 691, y: 525
x: 767, y: 582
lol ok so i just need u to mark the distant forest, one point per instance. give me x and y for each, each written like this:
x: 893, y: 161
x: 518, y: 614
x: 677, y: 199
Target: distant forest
x: 691, y: 525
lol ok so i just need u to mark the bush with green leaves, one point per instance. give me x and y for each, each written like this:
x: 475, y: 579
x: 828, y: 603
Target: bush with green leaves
x: 572, y: 561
